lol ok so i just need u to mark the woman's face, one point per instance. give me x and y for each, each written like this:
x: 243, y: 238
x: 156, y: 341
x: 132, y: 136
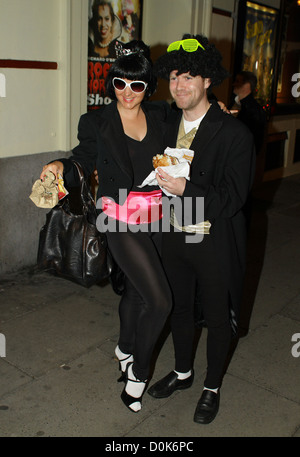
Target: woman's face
x: 104, y: 23
x: 127, y: 98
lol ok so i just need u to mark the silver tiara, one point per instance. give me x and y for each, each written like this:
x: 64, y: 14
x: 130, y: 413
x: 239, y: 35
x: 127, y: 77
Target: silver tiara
x: 121, y: 51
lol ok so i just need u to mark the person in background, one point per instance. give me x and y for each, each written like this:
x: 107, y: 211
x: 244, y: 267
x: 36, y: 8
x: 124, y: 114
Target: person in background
x: 119, y: 140
x: 221, y: 175
x: 250, y: 112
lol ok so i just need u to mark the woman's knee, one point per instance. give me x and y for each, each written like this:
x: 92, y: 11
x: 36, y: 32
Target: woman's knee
x: 162, y: 304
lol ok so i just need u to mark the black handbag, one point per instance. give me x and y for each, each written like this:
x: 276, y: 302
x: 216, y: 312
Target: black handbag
x: 70, y: 245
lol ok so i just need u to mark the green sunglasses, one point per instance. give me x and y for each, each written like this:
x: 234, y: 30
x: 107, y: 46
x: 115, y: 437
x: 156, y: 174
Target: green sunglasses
x: 188, y: 45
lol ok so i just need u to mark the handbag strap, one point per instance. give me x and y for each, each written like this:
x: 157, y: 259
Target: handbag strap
x: 85, y: 193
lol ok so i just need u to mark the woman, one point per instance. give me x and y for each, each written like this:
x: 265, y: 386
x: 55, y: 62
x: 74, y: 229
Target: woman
x: 105, y: 28
x: 120, y: 140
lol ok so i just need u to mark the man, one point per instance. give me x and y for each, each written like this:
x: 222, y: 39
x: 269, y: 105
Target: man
x: 105, y: 28
x: 221, y: 175
x: 250, y: 112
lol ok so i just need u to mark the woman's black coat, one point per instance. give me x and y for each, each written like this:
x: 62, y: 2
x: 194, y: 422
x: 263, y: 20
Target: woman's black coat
x: 102, y: 146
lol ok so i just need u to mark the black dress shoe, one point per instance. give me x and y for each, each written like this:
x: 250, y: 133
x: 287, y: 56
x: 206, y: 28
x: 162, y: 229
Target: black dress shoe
x: 207, y: 407
x: 167, y: 385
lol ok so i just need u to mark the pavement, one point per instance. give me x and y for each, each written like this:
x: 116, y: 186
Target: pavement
x: 58, y: 371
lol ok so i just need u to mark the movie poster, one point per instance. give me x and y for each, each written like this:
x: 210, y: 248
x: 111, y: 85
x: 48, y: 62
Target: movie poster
x: 259, y: 48
x: 109, y: 21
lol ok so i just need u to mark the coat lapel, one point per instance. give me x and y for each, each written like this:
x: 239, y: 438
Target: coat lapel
x: 208, y: 128
x: 112, y: 133
x: 172, y: 128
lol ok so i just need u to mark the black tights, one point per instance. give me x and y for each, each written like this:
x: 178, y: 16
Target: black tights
x: 146, y: 301
x: 191, y: 266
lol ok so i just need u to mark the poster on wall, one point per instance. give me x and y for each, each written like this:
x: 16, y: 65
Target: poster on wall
x: 109, y: 21
x: 259, y: 48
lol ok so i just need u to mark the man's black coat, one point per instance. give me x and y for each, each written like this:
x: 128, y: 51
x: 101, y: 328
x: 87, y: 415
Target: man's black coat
x: 222, y: 172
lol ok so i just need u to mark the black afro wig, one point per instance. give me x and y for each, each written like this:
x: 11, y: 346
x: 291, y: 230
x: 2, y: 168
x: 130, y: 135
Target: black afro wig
x: 206, y: 63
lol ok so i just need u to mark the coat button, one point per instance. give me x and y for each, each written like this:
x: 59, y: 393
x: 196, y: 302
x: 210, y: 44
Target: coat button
x: 111, y: 179
x: 202, y: 173
x: 105, y: 161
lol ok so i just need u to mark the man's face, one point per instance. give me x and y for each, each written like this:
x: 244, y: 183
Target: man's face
x: 240, y: 87
x: 188, y: 91
x: 104, y: 22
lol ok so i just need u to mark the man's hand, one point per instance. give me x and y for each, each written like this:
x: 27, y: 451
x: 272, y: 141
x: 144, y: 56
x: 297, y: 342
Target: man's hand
x: 174, y: 186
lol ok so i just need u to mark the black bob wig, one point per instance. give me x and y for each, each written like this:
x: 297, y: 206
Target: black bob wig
x: 205, y: 63
x: 136, y: 66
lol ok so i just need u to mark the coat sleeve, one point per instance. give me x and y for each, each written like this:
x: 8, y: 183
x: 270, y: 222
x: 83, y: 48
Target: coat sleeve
x: 226, y: 187
x: 85, y: 153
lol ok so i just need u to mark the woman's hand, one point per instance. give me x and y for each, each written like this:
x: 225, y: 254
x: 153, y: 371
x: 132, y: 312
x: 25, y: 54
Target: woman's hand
x: 96, y: 176
x: 175, y: 186
x: 225, y: 109
x: 57, y: 168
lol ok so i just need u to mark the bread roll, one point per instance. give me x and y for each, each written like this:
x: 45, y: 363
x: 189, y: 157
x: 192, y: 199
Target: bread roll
x: 164, y: 160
